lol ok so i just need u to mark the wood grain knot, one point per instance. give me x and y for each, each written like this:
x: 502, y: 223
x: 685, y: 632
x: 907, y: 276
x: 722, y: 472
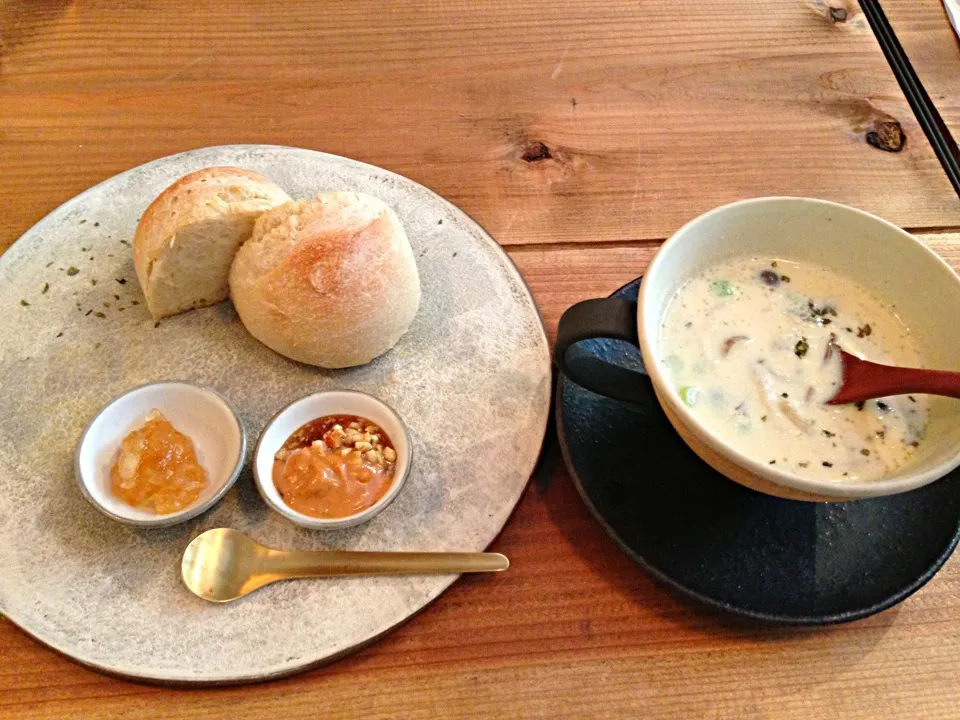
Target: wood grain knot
x: 887, y: 136
x: 837, y: 14
x: 535, y: 152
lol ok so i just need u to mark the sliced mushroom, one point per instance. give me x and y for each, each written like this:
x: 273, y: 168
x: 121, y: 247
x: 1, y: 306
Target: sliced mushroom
x: 793, y: 415
x: 730, y: 342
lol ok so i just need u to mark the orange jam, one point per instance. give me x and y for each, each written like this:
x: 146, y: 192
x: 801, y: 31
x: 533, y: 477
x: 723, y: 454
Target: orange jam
x: 157, y: 468
x: 334, y: 466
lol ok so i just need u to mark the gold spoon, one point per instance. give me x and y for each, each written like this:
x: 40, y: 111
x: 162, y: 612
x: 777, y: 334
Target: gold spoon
x: 222, y: 565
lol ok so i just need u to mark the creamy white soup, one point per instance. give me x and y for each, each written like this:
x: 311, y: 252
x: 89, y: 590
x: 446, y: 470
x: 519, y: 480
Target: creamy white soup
x: 747, y: 344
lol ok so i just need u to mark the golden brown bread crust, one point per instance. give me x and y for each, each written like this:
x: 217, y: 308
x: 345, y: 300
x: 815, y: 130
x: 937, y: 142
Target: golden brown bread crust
x: 330, y: 282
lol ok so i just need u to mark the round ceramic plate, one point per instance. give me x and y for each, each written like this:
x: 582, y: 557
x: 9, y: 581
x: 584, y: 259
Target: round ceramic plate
x: 471, y: 379
x: 752, y: 554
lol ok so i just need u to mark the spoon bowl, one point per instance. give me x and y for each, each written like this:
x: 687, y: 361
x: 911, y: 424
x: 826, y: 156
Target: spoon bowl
x: 221, y: 565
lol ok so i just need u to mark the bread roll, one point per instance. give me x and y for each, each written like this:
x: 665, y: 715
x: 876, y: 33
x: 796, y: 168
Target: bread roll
x: 329, y: 282
x: 187, y: 238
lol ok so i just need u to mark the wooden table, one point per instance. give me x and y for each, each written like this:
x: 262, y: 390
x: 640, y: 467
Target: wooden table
x: 580, y: 134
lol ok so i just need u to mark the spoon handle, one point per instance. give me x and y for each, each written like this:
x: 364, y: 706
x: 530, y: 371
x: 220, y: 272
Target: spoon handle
x: 864, y: 380
x: 331, y: 563
x: 931, y: 382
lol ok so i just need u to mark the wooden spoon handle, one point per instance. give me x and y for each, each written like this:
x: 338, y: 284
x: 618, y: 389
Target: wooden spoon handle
x: 330, y: 563
x: 864, y: 380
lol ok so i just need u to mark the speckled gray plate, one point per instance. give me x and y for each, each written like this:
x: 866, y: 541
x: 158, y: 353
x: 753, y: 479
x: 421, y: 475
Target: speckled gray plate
x: 471, y: 379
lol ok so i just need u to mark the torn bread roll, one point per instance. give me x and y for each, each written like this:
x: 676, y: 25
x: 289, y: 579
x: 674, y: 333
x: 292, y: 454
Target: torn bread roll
x: 187, y: 238
x: 329, y: 282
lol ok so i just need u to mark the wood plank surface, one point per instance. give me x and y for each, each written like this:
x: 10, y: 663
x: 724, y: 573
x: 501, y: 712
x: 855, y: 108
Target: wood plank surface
x: 634, y: 117
x: 650, y: 112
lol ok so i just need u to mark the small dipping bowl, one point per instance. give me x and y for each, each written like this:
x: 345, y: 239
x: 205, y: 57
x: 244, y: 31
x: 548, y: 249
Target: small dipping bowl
x: 312, y: 407
x: 199, y: 413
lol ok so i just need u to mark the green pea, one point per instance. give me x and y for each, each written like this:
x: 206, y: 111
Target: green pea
x: 689, y: 395
x: 674, y: 364
x: 742, y: 424
x: 722, y: 288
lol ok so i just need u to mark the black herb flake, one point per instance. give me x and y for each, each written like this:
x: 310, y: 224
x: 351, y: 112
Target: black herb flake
x: 860, y: 404
x: 99, y: 314
x: 93, y: 281
x: 784, y: 395
x: 125, y: 242
x: 864, y: 331
x: 116, y: 297
x: 82, y: 221
x: 800, y: 349
x: 882, y: 406
x: 46, y: 287
x: 59, y: 334
x: 770, y: 278
x: 50, y: 263
x: 829, y: 434
x: 96, y: 346
x: 156, y: 324
x: 87, y: 313
x: 763, y: 418
x: 819, y: 314
x: 773, y: 462
x: 71, y: 271
x: 773, y: 264
x: 803, y: 464
x: 134, y: 302
x: 785, y: 278
x: 881, y: 434
x: 122, y: 281
x: 911, y: 398
x: 24, y: 302
x: 106, y: 304
x: 83, y: 249
x: 96, y: 224
x: 825, y: 463
x: 865, y: 452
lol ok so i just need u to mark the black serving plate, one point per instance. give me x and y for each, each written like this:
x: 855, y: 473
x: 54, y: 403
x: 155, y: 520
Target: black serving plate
x: 779, y: 560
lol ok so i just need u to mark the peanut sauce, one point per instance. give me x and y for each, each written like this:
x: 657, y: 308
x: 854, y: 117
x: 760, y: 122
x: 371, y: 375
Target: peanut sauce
x: 334, y: 466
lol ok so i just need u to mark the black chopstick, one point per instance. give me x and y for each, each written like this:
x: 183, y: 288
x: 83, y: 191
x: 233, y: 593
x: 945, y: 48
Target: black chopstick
x: 926, y: 113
